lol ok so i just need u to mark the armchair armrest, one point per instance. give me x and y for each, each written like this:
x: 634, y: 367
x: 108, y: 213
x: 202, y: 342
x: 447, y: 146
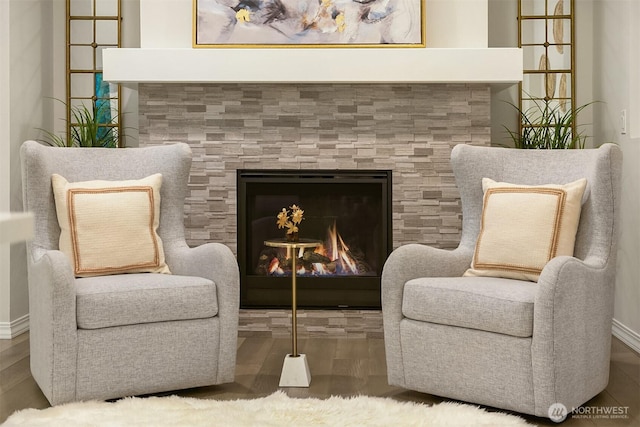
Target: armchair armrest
x: 215, y: 262
x: 52, y: 324
x: 571, y: 343
x: 413, y: 261
x: 405, y: 263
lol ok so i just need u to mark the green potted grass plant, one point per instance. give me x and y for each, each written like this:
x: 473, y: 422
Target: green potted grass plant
x: 546, y: 125
x: 93, y: 126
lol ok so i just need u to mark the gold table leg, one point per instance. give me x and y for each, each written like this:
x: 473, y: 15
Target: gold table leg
x: 295, y: 370
x: 294, y: 314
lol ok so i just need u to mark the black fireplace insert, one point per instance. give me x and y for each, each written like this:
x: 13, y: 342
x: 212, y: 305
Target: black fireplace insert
x: 348, y: 211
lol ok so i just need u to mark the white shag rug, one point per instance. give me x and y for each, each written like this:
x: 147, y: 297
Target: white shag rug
x: 277, y: 410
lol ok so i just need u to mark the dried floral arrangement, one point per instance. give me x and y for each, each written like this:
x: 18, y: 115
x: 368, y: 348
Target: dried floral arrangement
x: 290, y: 219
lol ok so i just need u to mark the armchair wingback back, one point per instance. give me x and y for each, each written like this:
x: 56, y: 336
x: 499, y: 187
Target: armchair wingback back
x: 453, y: 335
x: 79, y: 164
x: 596, y: 236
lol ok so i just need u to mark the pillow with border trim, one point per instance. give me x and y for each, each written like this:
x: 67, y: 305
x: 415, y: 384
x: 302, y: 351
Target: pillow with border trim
x: 110, y: 227
x: 524, y: 226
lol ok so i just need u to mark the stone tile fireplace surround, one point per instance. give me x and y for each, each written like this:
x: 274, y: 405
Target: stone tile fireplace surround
x: 408, y: 128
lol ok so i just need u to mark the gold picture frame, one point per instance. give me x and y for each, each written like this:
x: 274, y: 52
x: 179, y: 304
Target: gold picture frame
x: 308, y: 23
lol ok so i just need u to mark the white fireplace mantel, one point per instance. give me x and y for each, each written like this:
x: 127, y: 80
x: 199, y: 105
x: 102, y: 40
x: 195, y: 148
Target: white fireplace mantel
x: 318, y: 65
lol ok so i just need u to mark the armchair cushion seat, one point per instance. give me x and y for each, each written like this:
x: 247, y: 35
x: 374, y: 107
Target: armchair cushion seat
x: 504, y: 306
x: 119, y: 300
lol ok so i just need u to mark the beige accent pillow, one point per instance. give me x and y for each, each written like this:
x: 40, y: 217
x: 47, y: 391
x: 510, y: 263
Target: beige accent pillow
x: 110, y: 227
x: 524, y: 226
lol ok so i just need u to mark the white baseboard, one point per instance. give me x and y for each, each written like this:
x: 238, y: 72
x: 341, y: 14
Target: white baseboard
x: 626, y: 335
x: 12, y: 329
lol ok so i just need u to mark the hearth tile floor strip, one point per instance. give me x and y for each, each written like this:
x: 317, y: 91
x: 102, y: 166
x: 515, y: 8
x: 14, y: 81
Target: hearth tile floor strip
x: 311, y: 323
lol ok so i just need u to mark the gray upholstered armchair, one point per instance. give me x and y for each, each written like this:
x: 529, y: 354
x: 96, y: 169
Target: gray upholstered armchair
x: 115, y: 335
x: 513, y: 344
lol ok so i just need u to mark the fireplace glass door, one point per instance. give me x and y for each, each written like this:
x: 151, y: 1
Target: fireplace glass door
x: 348, y: 211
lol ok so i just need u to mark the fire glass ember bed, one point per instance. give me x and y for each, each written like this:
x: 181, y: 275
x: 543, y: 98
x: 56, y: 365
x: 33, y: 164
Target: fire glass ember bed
x: 348, y: 210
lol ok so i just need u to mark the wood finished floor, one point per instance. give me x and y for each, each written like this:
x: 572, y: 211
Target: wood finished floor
x: 339, y: 366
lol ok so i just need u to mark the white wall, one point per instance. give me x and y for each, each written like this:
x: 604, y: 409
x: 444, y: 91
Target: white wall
x: 608, y: 71
x: 449, y: 23
x: 32, y: 70
x: 130, y: 37
x: 27, y: 75
x: 503, y: 32
x: 616, y: 73
x: 5, y: 161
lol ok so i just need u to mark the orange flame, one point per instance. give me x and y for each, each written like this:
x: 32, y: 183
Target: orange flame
x: 274, y: 265
x: 333, y: 248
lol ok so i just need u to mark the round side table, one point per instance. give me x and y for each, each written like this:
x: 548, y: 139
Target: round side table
x: 295, y: 370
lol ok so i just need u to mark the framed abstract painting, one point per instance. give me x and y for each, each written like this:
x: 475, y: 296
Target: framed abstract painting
x: 308, y: 23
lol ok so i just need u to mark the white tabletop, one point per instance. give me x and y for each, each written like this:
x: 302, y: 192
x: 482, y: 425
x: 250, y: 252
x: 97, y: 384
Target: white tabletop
x: 15, y: 226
